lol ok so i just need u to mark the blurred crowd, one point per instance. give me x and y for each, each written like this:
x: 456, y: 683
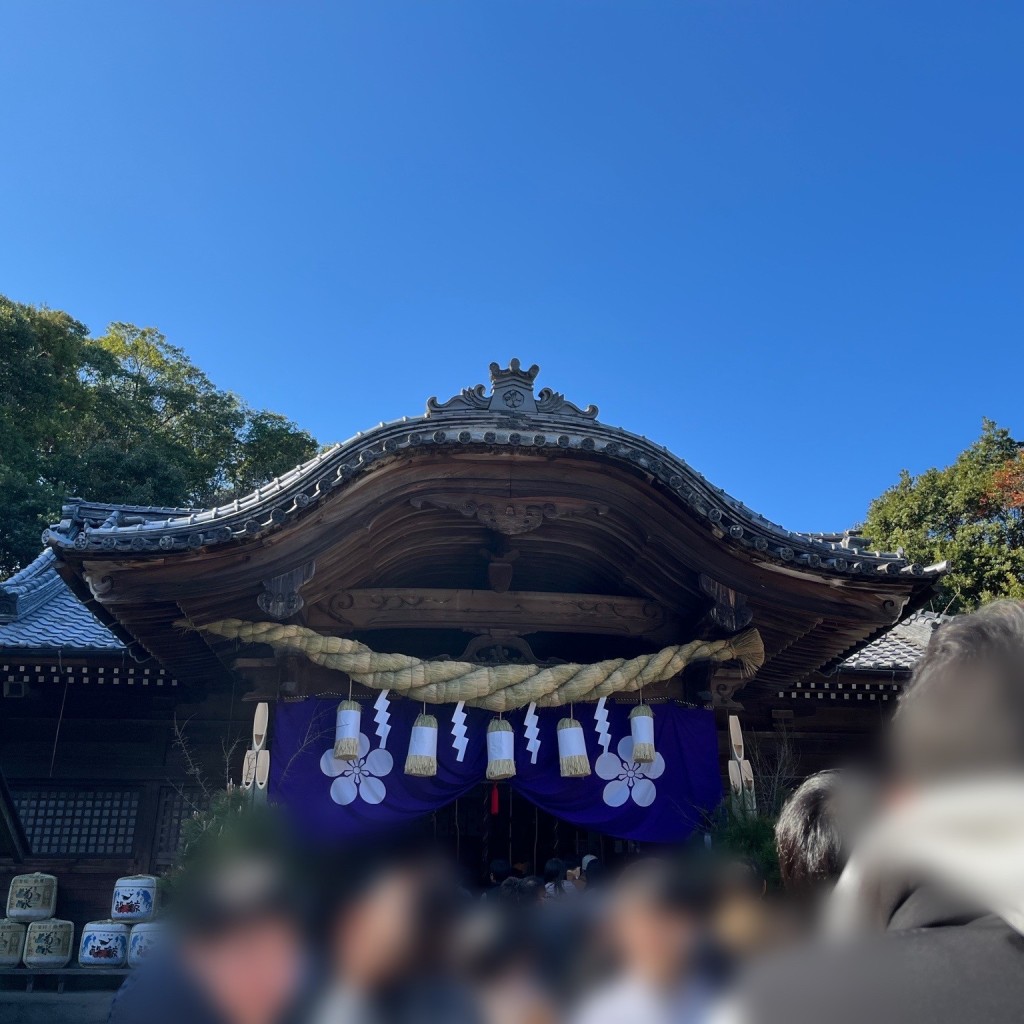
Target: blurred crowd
x: 901, y: 899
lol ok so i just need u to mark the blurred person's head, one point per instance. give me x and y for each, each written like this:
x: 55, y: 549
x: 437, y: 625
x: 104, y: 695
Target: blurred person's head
x: 491, y: 940
x: 521, y: 891
x: 809, y: 836
x: 499, y: 870
x: 374, y: 931
x: 498, y: 949
x: 554, y: 872
x: 962, y: 713
x: 573, y: 867
x: 655, y: 917
x: 950, y: 834
x: 593, y: 872
x: 741, y: 877
x: 241, y: 938
x: 742, y: 923
x: 510, y: 890
x: 531, y: 889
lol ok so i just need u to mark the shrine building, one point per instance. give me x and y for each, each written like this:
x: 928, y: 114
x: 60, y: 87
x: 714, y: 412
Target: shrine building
x: 505, y: 555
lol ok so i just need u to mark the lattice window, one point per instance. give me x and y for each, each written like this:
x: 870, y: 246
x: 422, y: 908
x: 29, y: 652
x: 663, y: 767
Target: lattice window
x: 175, y: 806
x: 78, y: 822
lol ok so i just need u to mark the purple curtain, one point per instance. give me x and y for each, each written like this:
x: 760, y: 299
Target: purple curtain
x: 658, y: 803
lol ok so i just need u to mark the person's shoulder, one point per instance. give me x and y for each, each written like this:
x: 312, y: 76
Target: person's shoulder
x: 952, y: 973
x: 619, y: 1000
x: 159, y: 992
x: 791, y: 986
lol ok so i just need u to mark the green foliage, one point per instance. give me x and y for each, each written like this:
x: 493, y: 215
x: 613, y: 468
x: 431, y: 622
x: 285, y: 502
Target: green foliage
x: 971, y: 513
x: 229, y: 826
x: 267, y: 444
x: 204, y: 827
x: 124, y: 418
x: 41, y: 353
x: 741, y: 834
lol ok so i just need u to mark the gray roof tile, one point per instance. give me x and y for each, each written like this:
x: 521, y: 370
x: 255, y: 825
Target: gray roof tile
x: 38, y: 611
x: 900, y: 648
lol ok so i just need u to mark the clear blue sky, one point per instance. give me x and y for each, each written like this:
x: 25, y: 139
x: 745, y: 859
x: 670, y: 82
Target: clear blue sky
x: 786, y: 239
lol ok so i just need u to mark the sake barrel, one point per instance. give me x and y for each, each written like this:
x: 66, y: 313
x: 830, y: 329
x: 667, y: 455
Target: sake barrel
x: 49, y: 943
x: 144, y: 939
x: 104, y: 944
x: 32, y: 897
x: 134, y: 898
x: 12, y: 942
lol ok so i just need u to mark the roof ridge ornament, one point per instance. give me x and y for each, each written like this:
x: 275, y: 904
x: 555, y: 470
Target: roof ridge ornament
x: 513, y: 373
x: 29, y: 588
x: 511, y: 395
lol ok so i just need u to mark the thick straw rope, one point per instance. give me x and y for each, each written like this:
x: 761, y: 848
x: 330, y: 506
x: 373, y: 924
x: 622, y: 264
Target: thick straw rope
x: 494, y: 687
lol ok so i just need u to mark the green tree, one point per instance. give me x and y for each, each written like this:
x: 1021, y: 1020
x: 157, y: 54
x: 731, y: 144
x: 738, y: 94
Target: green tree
x: 970, y: 513
x: 126, y: 418
x: 159, y: 431
x: 42, y: 353
x: 267, y: 445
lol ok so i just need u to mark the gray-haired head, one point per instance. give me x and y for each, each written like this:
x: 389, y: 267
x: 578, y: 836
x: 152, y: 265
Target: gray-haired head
x: 963, y: 711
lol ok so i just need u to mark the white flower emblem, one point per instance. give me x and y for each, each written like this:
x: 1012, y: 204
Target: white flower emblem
x: 627, y: 778
x: 360, y: 778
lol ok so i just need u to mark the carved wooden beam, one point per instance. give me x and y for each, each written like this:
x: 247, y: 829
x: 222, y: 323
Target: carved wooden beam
x: 500, y: 565
x: 510, y: 517
x: 482, y: 610
x: 725, y: 683
x: 280, y: 598
x: 729, y: 611
x: 273, y: 677
x: 499, y: 647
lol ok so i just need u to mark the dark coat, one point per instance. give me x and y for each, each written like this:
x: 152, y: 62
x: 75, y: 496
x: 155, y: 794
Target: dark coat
x: 936, y: 963
x: 161, y: 992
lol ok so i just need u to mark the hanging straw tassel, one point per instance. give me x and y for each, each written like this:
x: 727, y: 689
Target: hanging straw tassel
x: 641, y: 726
x: 500, y: 750
x: 422, y: 759
x: 748, y: 650
x: 572, y: 749
x: 346, y: 731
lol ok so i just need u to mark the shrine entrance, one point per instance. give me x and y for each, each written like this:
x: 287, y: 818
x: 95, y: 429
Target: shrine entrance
x: 484, y: 826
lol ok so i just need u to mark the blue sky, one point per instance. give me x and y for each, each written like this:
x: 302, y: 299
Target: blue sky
x: 784, y: 239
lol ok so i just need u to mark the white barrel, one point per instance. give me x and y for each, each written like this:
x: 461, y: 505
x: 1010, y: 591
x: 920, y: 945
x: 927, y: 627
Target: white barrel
x: 135, y: 898
x: 49, y: 943
x: 104, y: 944
x: 12, y: 942
x: 32, y: 897
x: 145, y: 937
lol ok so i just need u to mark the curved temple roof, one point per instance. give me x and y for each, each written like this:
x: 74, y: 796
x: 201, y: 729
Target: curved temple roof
x: 511, y: 417
x: 506, y: 510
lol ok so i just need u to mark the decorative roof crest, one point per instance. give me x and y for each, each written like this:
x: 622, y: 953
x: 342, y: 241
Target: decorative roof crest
x: 28, y: 589
x: 511, y: 395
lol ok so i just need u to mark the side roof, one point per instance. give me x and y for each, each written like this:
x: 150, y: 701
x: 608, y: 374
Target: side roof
x: 898, y: 649
x: 39, y: 612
